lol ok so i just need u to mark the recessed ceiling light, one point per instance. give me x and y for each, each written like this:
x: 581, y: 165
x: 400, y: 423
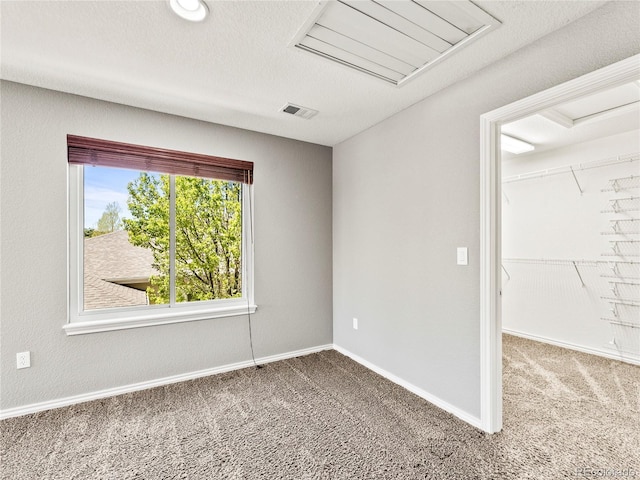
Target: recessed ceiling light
x: 514, y: 145
x: 192, y: 10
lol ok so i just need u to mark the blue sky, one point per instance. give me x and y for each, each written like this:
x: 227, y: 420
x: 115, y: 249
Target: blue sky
x: 103, y: 185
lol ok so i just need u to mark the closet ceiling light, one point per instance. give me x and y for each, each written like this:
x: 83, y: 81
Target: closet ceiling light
x: 513, y: 145
x: 192, y: 10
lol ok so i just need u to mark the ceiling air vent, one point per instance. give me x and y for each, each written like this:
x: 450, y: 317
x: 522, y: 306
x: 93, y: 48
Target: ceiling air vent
x: 299, y: 111
x: 393, y: 40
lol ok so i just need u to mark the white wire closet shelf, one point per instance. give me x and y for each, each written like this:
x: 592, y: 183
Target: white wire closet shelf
x: 629, y: 314
x: 630, y: 310
x: 626, y: 338
x: 622, y: 301
x: 623, y: 205
x: 625, y: 290
x: 621, y: 322
x: 630, y: 157
x: 622, y: 184
x: 624, y: 248
x: 570, y: 261
x: 623, y: 282
x: 611, y: 280
x: 625, y: 226
x: 622, y: 270
x: 628, y: 270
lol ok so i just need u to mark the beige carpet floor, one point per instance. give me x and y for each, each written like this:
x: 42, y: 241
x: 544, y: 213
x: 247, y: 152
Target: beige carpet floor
x: 323, y: 416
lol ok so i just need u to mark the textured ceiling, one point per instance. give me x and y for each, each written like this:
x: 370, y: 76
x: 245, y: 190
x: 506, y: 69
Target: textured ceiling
x: 237, y: 67
x: 609, y: 112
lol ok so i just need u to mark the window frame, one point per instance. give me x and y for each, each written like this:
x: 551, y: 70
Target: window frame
x: 80, y: 321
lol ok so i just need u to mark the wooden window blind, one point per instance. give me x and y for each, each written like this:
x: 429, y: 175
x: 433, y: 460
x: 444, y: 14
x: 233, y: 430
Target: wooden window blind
x: 106, y: 153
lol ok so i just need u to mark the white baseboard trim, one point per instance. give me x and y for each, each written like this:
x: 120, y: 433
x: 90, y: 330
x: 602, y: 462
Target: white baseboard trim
x: 438, y: 402
x: 134, y: 387
x: 614, y: 355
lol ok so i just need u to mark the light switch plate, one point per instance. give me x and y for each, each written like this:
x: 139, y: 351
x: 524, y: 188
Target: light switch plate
x: 463, y: 256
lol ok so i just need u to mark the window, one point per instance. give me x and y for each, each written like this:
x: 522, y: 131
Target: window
x: 156, y: 236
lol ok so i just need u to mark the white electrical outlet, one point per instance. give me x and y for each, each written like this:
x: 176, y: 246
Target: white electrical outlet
x: 23, y: 360
x: 355, y: 323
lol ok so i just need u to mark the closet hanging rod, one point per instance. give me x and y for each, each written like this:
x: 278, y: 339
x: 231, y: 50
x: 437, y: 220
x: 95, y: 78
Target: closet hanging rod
x: 630, y: 157
x: 621, y: 322
x: 564, y: 261
x: 619, y: 301
x: 624, y: 220
x: 622, y: 210
x: 618, y: 246
x: 623, y: 199
x: 626, y: 277
x: 623, y: 282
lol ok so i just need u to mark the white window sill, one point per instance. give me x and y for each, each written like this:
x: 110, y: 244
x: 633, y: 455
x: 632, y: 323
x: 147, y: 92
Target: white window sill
x: 81, y: 326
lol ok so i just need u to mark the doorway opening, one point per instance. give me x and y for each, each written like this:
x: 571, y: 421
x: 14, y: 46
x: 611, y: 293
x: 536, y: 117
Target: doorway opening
x: 491, y: 268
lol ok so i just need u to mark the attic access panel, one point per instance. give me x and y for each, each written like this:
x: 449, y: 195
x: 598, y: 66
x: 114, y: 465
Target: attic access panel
x: 393, y: 40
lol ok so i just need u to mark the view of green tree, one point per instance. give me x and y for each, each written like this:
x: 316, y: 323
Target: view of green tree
x: 208, y: 235
x: 110, y: 220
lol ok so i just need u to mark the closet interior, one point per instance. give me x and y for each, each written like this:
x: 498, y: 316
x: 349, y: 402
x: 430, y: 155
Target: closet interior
x: 571, y: 225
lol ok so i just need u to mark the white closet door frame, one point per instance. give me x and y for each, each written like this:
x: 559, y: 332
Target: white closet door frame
x: 611, y: 76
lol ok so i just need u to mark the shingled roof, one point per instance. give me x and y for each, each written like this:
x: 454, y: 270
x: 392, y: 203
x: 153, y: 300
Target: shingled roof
x: 111, y: 264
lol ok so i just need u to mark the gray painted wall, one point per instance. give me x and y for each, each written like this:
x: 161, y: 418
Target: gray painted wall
x: 292, y: 250
x: 406, y: 194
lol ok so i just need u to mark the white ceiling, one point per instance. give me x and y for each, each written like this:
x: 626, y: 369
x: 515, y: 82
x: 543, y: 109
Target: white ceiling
x: 237, y: 67
x: 606, y: 113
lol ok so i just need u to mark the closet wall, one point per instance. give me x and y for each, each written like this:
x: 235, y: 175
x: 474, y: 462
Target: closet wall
x: 571, y: 270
